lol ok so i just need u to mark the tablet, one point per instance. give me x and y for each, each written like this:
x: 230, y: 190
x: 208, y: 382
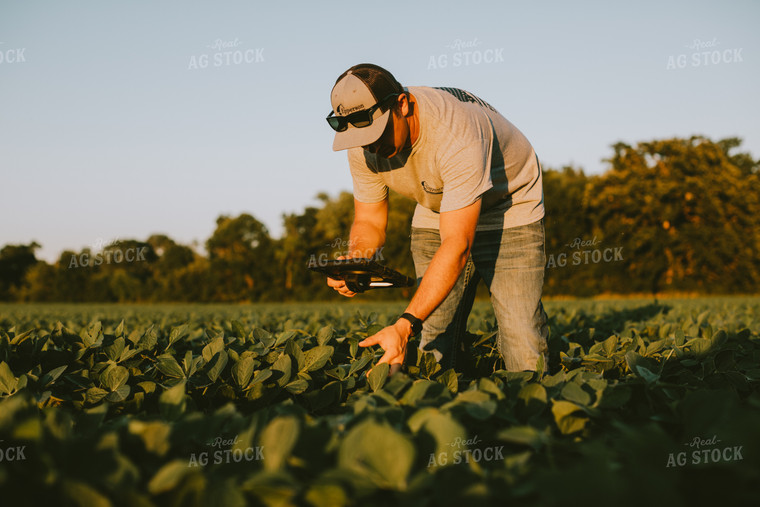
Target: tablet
x: 361, y: 274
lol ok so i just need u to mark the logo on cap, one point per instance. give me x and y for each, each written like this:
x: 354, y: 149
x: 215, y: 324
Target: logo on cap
x: 344, y: 111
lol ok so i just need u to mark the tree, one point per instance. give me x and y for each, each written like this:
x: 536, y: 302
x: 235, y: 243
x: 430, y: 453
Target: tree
x: 15, y: 261
x: 241, y: 259
x: 686, y: 213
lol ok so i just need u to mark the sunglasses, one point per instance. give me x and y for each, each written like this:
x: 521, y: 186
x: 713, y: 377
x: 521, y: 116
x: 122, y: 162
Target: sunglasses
x: 359, y: 119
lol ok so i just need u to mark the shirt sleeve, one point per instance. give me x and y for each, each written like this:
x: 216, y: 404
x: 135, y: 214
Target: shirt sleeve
x: 466, y: 173
x: 369, y: 186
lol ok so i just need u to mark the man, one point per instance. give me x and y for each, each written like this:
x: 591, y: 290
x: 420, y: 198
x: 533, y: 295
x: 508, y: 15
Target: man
x: 478, y: 185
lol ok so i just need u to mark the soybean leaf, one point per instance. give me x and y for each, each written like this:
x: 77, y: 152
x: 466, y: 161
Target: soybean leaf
x: 283, y: 365
x: 566, y: 417
x: 261, y: 376
x: 379, y: 453
x: 119, y: 394
x: 176, y: 334
x: 169, y: 366
x: 172, y: 402
x: 278, y: 440
x: 324, y: 335
x: 52, y: 375
x: 7, y: 379
x: 114, y: 377
x: 377, y: 376
x: 316, y: 357
x: 216, y: 365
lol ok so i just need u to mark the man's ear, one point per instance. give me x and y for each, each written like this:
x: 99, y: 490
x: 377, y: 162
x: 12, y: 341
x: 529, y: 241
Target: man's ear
x: 405, y: 105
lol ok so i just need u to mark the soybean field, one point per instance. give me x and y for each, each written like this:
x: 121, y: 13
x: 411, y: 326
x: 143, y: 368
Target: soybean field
x: 641, y: 403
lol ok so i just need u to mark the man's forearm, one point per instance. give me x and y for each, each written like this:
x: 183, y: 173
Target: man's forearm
x: 440, y: 277
x: 366, y: 239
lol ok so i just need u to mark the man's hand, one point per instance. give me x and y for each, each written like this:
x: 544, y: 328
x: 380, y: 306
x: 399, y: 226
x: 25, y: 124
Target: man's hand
x: 340, y: 285
x: 392, y: 340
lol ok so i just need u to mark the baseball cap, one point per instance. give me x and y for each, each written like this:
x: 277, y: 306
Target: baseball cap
x: 357, y: 89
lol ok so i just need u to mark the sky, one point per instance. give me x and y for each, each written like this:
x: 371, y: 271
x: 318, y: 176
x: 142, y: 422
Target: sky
x: 120, y: 119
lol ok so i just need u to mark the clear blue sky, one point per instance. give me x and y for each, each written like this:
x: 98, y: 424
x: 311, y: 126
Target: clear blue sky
x: 110, y: 127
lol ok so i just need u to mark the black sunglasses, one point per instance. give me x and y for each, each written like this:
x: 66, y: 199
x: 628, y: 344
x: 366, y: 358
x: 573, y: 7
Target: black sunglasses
x: 358, y: 119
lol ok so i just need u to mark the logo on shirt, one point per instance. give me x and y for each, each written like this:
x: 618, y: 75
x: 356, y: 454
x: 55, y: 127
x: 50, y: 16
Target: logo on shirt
x: 431, y: 190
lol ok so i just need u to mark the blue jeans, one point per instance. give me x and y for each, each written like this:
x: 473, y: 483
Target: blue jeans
x: 511, y: 262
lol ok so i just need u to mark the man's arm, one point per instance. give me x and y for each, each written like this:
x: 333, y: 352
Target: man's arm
x: 457, y: 230
x: 367, y: 236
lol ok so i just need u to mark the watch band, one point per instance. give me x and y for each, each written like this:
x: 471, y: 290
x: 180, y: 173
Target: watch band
x: 414, y: 321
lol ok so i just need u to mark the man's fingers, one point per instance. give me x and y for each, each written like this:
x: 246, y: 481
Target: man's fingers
x: 340, y: 287
x: 368, y: 342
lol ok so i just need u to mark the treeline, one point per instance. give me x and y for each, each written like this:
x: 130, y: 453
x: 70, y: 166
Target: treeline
x: 673, y: 215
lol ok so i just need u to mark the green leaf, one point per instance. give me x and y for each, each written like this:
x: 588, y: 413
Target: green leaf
x: 265, y: 338
x: 277, y: 441
x: 316, y: 358
x: 284, y: 337
x: 92, y: 335
x: 297, y: 354
x: 113, y: 351
x: 261, y: 376
x: 168, y: 366
x: 176, y: 334
x: 531, y: 392
x: 566, y: 418
x: 283, y: 365
x: 377, y: 376
x: 172, y: 402
x: 379, y: 453
x: 216, y: 365
x: 523, y: 435
x: 450, y: 380
x: 168, y: 477
x: 119, y: 394
x: 7, y: 379
x: 148, y: 340
x: 447, y: 432
x: 297, y: 386
x: 575, y: 393
x: 416, y: 392
x: 324, y: 335
x: 51, y: 376
x: 359, y: 364
x: 242, y: 371
x: 114, y: 377
x: 213, y: 348
x: 643, y: 367
x: 95, y: 395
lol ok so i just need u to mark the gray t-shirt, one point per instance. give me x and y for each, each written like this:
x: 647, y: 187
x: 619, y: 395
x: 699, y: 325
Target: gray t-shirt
x: 465, y: 150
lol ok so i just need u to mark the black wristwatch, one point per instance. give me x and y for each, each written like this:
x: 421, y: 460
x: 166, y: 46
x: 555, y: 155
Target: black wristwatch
x: 414, y: 321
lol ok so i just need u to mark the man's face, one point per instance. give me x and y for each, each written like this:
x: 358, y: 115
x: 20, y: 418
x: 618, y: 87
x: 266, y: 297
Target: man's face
x: 395, y: 137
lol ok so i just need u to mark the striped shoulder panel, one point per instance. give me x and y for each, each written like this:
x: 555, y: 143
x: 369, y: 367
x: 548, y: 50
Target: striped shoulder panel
x: 465, y: 96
